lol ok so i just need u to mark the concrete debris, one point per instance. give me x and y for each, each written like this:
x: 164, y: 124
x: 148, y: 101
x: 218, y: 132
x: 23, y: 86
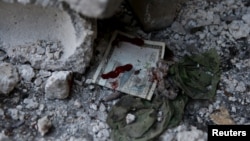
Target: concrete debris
x: 31, y: 104
x: 38, y: 81
x: 1, y: 112
x: 58, y: 85
x: 77, y: 104
x: 238, y: 29
x: 9, y: 78
x: 44, y: 73
x: 43, y: 125
x: 246, y: 19
x: 2, y: 55
x: 100, y: 131
x: 57, y: 40
x: 55, y: 33
x: 16, y: 114
x: 26, y: 72
x: 193, y: 135
x: 177, y: 27
x: 184, y: 132
x: 93, y: 106
x: 3, y: 137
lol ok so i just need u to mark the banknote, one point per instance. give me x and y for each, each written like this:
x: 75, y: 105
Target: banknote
x: 126, y: 63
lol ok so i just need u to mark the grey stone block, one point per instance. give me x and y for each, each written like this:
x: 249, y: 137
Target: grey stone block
x: 155, y: 14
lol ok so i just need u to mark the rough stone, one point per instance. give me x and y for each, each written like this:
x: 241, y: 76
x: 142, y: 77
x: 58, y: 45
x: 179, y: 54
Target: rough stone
x: 238, y: 29
x: 26, y: 72
x: 102, y: 107
x: 31, y: 104
x: 177, y: 27
x: 153, y: 18
x: 78, y: 104
x: 58, y: 85
x: 9, y: 78
x: 44, y: 73
x: 2, y: 55
x: 1, y: 112
x: 13, y: 113
x: 103, y: 133
x: 38, y: 81
x: 3, y: 137
x: 181, y: 133
x: 60, y: 39
x: 43, y: 125
x: 246, y: 19
x: 193, y: 135
x: 93, y: 106
x: 130, y: 118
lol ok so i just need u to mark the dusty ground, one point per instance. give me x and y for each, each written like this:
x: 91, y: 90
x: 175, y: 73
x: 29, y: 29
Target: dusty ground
x: 200, y: 25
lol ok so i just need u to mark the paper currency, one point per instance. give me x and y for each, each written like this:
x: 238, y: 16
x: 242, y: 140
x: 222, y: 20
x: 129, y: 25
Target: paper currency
x: 126, y: 64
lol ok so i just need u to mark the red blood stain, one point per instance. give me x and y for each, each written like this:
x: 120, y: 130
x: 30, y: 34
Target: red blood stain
x: 117, y: 71
x: 114, y: 84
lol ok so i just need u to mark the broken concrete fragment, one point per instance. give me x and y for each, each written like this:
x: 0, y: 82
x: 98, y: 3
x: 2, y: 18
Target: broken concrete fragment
x: 8, y: 78
x: 30, y: 103
x: 44, y: 124
x: 58, y: 85
x: 3, y: 137
x: 48, y: 38
x: 239, y: 29
x: 246, y: 18
x: 153, y: 18
x: 26, y: 72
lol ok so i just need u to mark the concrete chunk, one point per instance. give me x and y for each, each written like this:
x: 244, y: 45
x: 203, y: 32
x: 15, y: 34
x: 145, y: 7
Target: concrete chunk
x: 58, y: 85
x: 8, y: 78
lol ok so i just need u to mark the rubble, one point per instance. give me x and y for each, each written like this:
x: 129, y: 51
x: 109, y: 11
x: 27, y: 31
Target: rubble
x: 26, y: 72
x: 57, y: 40
x: 43, y: 125
x: 238, y: 29
x: 130, y: 118
x: 73, y: 119
x: 58, y: 85
x: 3, y: 137
x: 9, y: 78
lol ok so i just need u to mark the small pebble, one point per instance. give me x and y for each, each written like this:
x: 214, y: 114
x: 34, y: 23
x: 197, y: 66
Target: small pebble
x: 44, y: 124
x: 130, y: 118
